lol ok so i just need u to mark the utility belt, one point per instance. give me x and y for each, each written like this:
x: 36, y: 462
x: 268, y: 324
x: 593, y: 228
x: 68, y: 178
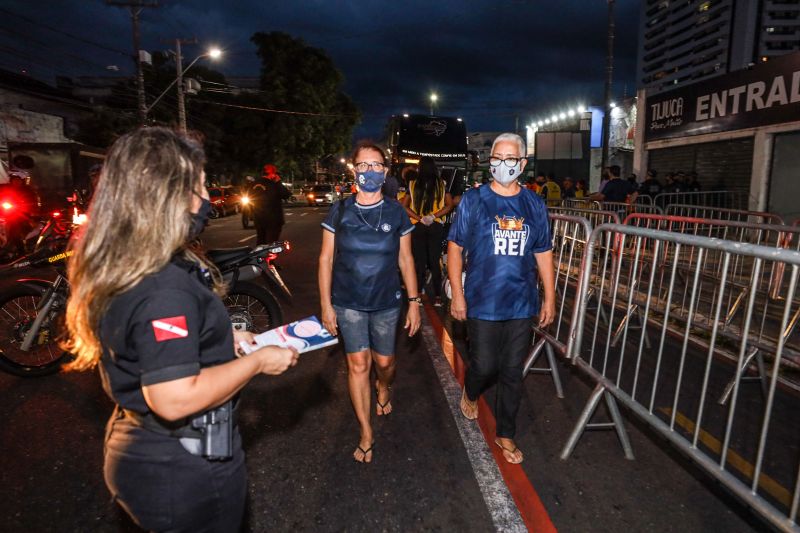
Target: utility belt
x: 208, y: 435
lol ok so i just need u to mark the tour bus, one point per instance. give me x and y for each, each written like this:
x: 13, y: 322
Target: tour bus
x: 411, y: 137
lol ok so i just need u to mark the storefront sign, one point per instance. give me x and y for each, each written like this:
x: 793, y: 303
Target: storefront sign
x: 769, y: 93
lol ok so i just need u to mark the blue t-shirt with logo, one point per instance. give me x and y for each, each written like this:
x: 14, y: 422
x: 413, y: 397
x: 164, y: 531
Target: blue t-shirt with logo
x: 500, y: 235
x: 365, y: 274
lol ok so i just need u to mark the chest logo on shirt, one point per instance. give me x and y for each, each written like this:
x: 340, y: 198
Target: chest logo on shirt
x: 386, y: 228
x: 170, y: 328
x: 510, y: 235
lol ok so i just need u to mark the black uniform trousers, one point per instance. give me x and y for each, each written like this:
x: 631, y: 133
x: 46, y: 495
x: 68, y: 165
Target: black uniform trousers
x: 426, y: 245
x: 165, y: 488
x: 497, y: 350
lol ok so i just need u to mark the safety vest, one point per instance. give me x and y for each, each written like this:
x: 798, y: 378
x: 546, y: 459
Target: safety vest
x: 553, y: 193
x: 437, y: 205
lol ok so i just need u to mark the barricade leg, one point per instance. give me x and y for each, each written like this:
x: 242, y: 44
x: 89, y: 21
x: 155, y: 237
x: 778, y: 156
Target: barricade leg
x: 536, y: 351
x: 583, y: 423
x: 529, y: 368
x: 754, y: 353
x: 621, y: 328
x: 551, y: 359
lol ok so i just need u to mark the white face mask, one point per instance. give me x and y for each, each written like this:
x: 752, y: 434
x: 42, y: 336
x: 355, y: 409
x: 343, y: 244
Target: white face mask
x: 504, y: 174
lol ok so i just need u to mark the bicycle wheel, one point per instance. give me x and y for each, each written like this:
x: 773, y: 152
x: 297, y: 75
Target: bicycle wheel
x: 17, y: 313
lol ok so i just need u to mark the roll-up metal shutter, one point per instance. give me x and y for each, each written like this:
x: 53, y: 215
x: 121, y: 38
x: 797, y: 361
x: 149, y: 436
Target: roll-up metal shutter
x: 719, y: 165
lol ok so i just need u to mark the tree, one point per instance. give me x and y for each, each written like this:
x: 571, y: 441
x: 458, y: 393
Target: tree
x: 298, y: 77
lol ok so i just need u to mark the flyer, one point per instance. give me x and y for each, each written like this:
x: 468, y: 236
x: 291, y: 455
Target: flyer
x: 304, y: 335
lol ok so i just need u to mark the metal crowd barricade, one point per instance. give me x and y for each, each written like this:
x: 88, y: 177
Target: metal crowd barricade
x: 724, y: 199
x: 774, y: 236
x: 594, y: 216
x: 581, y: 203
x: 741, y: 215
x: 623, y: 209
x: 750, y: 445
x: 569, y: 234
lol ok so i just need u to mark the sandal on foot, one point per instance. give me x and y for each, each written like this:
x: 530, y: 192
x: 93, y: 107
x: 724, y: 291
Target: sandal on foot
x: 506, y: 450
x: 364, y: 453
x: 464, y: 403
x: 381, y: 407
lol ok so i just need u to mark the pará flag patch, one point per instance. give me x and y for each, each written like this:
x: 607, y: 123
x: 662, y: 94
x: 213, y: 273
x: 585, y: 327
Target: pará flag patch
x: 173, y: 327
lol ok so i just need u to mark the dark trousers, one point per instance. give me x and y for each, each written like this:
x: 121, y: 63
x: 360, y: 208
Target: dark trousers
x: 497, y: 350
x: 426, y: 245
x: 267, y: 230
x: 165, y: 488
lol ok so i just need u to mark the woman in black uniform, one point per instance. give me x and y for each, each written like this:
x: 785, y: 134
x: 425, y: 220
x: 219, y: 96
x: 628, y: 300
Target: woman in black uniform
x: 144, y: 307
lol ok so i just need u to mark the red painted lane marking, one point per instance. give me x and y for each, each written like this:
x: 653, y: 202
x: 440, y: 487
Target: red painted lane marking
x: 528, y: 503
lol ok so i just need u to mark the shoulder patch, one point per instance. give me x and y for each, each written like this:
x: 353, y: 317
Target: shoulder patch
x: 173, y: 327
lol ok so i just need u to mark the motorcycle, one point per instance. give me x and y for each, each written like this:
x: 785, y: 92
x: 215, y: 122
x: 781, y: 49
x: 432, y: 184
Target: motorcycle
x: 32, y: 310
x: 245, y: 208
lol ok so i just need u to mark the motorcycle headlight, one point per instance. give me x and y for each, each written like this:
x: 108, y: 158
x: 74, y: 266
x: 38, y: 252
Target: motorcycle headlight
x: 245, y: 200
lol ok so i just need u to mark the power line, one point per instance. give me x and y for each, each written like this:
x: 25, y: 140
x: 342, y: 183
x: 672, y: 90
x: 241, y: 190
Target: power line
x: 267, y: 110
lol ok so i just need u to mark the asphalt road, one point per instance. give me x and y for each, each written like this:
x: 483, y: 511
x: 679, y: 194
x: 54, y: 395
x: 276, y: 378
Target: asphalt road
x: 299, y: 433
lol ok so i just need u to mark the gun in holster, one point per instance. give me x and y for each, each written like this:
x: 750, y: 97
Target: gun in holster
x: 216, y: 429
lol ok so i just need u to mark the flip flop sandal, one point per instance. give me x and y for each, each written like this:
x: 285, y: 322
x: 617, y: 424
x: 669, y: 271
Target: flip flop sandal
x: 364, y: 452
x: 464, y: 399
x: 507, y: 450
x: 386, y: 403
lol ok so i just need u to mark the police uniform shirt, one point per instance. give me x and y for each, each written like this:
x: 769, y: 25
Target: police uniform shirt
x: 167, y: 327
x: 367, y: 250
x: 500, y: 235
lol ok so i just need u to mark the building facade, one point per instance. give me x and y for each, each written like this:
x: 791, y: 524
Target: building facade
x: 739, y: 131
x: 686, y: 41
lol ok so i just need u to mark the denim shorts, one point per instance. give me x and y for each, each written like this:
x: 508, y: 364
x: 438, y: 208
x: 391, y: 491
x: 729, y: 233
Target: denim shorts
x: 361, y: 330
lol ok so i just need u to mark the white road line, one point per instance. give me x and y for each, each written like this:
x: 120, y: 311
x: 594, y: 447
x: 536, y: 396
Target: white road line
x: 303, y: 214
x: 290, y: 213
x: 248, y: 238
x: 496, y: 495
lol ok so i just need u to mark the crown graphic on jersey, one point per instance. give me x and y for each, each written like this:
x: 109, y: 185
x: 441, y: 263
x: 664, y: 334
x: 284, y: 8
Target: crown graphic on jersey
x: 510, y: 223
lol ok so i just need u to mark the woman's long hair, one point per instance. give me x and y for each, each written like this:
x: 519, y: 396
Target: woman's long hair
x: 139, y: 218
x: 428, y: 189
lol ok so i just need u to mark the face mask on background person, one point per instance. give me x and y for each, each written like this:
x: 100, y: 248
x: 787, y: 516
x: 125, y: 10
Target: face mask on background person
x: 504, y: 174
x: 371, y: 180
x: 200, y: 219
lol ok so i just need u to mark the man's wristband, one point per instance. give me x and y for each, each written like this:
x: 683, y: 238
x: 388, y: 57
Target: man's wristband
x: 414, y: 299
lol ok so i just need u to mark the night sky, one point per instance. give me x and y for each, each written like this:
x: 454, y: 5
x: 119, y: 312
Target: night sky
x: 489, y: 61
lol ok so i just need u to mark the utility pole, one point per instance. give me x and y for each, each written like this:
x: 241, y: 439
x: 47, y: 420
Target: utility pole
x: 609, y: 78
x: 136, y: 8
x: 179, y: 71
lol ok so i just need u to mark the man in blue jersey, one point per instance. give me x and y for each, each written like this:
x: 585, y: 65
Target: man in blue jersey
x: 504, y: 230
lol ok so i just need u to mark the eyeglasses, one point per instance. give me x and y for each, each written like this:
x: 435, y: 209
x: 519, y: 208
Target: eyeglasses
x: 364, y: 166
x: 509, y: 161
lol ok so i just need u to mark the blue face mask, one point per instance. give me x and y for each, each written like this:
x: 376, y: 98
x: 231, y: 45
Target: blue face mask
x: 370, y: 181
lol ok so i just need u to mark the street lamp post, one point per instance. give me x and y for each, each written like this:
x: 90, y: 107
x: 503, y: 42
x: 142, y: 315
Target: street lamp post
x: 434, y: 99
x: 179, y: 71
x: 609, y: 77
x: 214, y: 53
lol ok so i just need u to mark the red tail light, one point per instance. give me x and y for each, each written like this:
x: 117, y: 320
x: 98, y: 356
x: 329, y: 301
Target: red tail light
x: 56, y: 214
x: 272, y: 257
x: 7, y: 206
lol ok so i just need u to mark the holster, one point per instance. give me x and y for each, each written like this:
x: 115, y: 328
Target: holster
x: 209, y: 434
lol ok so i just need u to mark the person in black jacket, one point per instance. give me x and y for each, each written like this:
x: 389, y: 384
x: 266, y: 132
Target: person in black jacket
x: 267, y: 195
x: 146, y: 309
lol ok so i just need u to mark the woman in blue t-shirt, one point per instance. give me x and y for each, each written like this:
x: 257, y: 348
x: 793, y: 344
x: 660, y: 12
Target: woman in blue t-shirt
x: 365, y: 238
